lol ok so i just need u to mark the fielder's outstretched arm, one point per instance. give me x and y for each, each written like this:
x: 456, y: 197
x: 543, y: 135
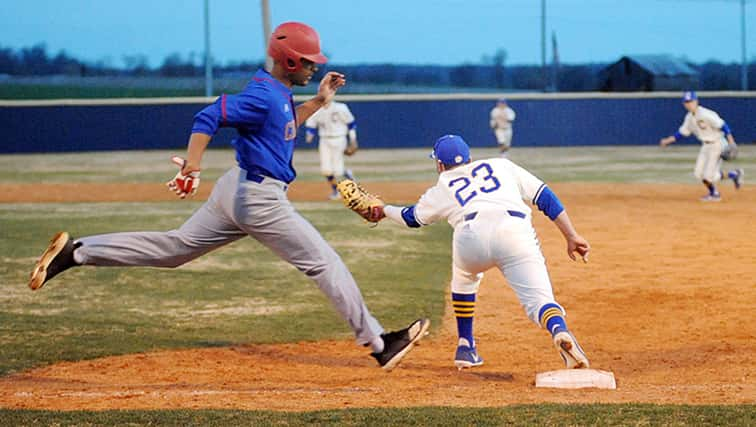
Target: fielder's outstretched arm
x: 402, y: 215
x: 670, y: 139
x: 552, y: 207
x: 728, y: 133
x: 575, y: 242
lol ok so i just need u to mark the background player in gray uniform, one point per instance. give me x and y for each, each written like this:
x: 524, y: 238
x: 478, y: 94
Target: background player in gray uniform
x: 484, y: 202
x: 715, y: 136
x: 336, y: 129
x: 250, y: 199
x: 501, y: 118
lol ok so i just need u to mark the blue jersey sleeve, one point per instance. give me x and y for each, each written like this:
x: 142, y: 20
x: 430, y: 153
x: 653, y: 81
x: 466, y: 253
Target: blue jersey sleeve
x: 408, y: 215
x: 549, y: 203
x: 243, y: 111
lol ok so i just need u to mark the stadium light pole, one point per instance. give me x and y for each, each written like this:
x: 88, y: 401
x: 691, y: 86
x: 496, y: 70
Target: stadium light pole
x: 265, y: 10
x: 543, y: 45
x: 208, y: 56
x: 744, y: 60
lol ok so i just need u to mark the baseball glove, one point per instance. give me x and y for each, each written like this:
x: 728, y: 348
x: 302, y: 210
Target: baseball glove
x: 367, y: 205
x: 730, y: 152
x: 350, y: 149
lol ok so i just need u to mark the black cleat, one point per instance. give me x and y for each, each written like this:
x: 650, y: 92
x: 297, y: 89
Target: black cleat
x: 58, y: 257
x: 397, y: 344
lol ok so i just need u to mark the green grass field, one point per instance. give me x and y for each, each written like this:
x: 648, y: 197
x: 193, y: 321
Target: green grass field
x: 241, y: 293
x: 517, y: 415
x: 552, y: 164
x: 244, y: 294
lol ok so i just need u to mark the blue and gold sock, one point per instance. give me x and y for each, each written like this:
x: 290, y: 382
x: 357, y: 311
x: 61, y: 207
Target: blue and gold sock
x: 464, y: 311
x: 712, y: 189
x: 551, y: 318
x: 332, y: 180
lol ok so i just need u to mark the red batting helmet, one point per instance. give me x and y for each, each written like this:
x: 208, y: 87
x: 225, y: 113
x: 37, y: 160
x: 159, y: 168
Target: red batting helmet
x: 292, y: 41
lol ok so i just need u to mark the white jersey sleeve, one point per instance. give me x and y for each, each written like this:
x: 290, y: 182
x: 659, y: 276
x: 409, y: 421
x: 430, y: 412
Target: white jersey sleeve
x: 712, y: 117
x: 312, y: 121
x: 705, y: 124
x: 435, y: 205
x: 348, y: 116
x: 685, y: 127
x: 530, y: 185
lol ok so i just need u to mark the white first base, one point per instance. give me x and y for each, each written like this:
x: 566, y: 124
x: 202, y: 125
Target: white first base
x: 576, y: 378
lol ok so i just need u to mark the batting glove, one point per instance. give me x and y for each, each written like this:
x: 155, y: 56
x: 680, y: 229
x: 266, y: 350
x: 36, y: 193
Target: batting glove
x: 184, y: 184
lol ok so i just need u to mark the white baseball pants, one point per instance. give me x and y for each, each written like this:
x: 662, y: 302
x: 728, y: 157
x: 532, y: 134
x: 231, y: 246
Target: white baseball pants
x: 331, y: 150
x: 708, y: 163
x: 499, y: 239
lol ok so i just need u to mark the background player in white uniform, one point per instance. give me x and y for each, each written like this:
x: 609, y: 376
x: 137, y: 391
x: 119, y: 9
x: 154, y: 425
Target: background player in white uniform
x: 502, y: 116
x: 711, y: 130
x: 484, y: 201
x: 333, y: 123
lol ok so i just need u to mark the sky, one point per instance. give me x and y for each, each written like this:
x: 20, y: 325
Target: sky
x: 442, y: 32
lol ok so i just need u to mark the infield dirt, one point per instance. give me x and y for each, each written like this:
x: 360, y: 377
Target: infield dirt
x: 665, y: 303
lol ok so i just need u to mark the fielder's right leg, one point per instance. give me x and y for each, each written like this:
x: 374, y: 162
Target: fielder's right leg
x: 551, y: 316
x: 737, y: 176
x: 332, y: 182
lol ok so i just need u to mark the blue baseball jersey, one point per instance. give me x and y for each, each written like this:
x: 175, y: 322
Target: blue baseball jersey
x: 264, y: 115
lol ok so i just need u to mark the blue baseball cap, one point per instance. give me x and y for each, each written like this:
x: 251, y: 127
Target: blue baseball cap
x: 689, y: 96
x: 451, y: 150
x: 501, y: 100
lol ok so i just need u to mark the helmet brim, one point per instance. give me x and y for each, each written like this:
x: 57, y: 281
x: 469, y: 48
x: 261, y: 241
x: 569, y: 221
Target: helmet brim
x: 317, y: 58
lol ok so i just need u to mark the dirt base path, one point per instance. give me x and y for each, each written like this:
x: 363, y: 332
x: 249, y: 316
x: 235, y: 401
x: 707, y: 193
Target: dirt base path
x: 665, y: 303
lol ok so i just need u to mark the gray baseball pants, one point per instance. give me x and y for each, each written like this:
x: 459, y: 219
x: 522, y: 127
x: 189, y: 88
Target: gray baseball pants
x: 238, y: 207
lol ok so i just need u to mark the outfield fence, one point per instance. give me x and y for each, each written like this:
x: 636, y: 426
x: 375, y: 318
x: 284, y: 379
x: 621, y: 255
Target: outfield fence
x: 384, y: 121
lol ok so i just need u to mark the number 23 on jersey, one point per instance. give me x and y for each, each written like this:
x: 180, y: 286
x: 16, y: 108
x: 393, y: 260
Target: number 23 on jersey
x: 483, y: 180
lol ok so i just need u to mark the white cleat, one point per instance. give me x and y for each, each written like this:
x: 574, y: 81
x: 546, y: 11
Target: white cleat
x: 711, y: 198
x: 573, y: 355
